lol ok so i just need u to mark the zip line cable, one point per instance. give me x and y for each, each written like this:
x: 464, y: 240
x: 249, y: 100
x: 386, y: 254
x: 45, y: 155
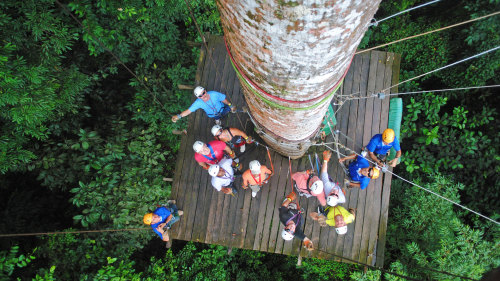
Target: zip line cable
x: 113, y: 55
x: 392, y: 272
x: 376, y: 22
x: 412, y: 183
x: 428, y: 32
x: 429, y: 72
x: 421, y: 92
x: 71, y: 232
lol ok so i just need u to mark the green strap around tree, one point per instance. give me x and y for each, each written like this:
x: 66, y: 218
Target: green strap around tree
x: 395, y: 117
x: 330, y: 116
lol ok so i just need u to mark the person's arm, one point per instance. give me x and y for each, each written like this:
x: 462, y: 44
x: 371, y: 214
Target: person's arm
x: 353, y: 184
x: 185, y: 113
x: 244, y: 182
x: 203, y: 165
x: 233, y: 107
x: 169, y: 218
x: 375, y: 159
x: 228, y: 150
x: 394, y: 161
x: 350, y: 157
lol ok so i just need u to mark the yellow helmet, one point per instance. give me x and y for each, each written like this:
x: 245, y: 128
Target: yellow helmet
x: 148, y: 218
x: 375, y: 173
x: 388, y: 135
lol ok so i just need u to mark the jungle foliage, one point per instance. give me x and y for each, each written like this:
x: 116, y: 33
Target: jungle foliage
x: 84, y: 144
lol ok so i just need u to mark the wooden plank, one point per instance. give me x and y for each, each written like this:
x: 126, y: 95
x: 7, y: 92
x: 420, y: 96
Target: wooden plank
x: 285, y: 186
x: 351, y: 133
x: 297, y: 166
x: 261, y: 156
x: 273, y: 202
x: 384, y: 116
x: 358, y: 241
x: 386, y: 188
x: 372, y: 204
x: 197, y: 226
x: 350, y: 248
x: 189, y: 180
x: 217, y: 211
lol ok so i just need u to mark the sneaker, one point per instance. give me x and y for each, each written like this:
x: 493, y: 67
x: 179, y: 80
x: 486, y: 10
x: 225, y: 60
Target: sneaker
x: 254, y: 193
x: 217, y: 122
x: 180, y: 213
x: 242, y: 148
x: 321, y: 210
x: 170, y: 202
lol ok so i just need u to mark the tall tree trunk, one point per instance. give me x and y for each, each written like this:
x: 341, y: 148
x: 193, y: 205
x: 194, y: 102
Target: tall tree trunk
x: 291, y: 55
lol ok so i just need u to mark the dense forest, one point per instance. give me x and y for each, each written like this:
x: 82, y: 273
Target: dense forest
x: 85, y: 143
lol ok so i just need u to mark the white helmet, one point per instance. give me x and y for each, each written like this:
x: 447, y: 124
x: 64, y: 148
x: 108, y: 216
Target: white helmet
x: 286, y: 235
x: 198, y: 91
x: 254, y: 166
x: 198, y: 146
x: 216, y: 129
x: 332, y: 200
x: 317, y: 187
x: 214, y: 170
x: 341, y: 230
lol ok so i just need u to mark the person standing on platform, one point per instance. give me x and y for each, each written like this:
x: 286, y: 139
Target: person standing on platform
x: 293, y: 221
x: 212, y: 153
x: 235, y: 138
x: 334, y: 194
x: 255, y: 177
x: 163, y: 217
x: 223, y: 176
x: 214, y: 104
x: 360, y: 171
x: 380, y: 145
x: 307, y: 184
x: 337, y: 217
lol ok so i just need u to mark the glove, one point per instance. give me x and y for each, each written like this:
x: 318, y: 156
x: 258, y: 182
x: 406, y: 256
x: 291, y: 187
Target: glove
x: 327, y: 154
x: 249, y: 139
x: 233, y: 109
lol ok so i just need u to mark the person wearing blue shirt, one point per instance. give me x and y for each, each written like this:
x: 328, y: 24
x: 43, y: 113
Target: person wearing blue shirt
x: 214, y: 104
x: 360, y: 171
x: 163, y: 217
x: 380, y: 145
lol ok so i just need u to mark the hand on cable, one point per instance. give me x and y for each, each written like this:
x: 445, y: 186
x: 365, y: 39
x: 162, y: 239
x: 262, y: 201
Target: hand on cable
x: 249, y: 139
x: 314, y: 216
x: 341, y: 160
x: 327, y: 154
x: 233, y: 109
x: 308, y: 244
x: 175, y: 118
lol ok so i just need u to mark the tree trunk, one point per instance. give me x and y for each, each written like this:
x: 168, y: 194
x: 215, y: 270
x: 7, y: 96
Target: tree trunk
x: 291, y: 56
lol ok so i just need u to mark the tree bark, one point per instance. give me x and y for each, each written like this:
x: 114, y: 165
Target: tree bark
x: 291, y: 56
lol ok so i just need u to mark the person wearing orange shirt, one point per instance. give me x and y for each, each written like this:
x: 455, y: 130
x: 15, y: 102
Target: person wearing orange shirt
x: 255, y: 177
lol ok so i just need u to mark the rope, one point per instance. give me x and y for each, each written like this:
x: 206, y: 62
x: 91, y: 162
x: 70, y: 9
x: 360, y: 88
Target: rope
x: 421, y: 75
x: 70, y: 232
x: 427, y: 91
x: 312, y: 166
x: 412, y: 183
x: 428, y: 32
x: 376, y: 22
x: 252, y: 86
x: 291, y: 182
x: 113, y: 55
x: 270, y: 160
x: 387, y: 271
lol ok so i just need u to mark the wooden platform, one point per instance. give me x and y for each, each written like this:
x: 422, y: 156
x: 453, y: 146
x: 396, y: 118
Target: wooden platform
x: 253, y: 223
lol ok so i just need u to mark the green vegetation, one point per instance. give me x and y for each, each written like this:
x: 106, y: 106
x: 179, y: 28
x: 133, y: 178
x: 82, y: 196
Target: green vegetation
x: 82, y: 139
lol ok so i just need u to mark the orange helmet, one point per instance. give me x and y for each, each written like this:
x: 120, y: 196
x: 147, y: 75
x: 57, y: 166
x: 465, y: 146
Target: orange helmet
x: 148, y: 218
x: 388, y: 135
x: 376, y: 173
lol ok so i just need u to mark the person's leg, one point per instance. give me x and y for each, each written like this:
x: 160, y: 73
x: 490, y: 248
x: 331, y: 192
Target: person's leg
x: 255, y: 189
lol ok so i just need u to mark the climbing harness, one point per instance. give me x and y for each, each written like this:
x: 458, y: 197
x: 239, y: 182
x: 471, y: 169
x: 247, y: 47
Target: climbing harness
x: 212, y: 153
